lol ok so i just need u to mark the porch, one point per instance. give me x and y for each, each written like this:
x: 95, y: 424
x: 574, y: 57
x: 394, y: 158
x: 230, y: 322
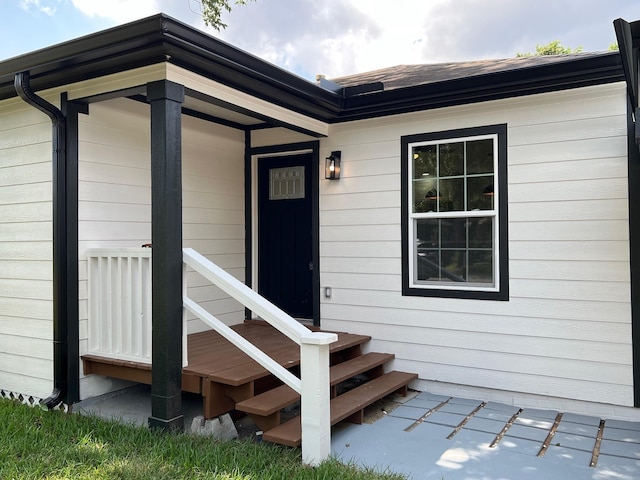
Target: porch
x: 258, y: 367
x: 229, y: 379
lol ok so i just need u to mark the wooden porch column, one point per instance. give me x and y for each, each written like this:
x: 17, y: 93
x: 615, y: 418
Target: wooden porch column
x: 166, y: 236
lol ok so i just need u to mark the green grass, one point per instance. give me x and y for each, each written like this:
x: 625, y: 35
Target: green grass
x: 35, y: 444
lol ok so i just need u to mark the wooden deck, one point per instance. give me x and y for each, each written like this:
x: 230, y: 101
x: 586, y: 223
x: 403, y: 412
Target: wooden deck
x: 223, y: 374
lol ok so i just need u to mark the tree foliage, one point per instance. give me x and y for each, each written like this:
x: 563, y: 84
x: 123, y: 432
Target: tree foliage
x: 212, y: 11
x: 552, y: 48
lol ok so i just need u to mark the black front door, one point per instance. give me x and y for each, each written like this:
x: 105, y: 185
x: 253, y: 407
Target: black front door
x: 285, y: 244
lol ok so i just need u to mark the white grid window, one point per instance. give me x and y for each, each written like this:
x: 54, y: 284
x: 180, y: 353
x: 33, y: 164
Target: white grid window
x: 453, y: 225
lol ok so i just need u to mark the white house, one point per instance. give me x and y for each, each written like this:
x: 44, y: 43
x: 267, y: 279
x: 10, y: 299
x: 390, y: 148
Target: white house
x: 483, y: 227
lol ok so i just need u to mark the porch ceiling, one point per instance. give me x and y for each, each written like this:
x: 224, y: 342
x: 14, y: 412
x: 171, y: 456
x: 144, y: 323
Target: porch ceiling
x: 225, y: 114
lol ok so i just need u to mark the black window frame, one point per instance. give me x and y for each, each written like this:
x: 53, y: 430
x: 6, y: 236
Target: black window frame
x: 501, y: 292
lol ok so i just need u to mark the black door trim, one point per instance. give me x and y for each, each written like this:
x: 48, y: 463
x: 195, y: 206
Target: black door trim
x: 314, y: 148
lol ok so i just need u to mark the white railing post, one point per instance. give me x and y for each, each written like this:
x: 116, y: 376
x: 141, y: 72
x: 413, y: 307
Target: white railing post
x: 315, y: 397
x: 185, y: 353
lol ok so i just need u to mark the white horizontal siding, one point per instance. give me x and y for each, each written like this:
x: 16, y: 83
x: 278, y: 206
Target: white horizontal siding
x: 213, y: 209
x: 115, y: 197
x: 566, y: 329
x: 26, y: 289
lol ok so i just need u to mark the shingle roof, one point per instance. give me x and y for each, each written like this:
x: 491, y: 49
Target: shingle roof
x: 412, y: 75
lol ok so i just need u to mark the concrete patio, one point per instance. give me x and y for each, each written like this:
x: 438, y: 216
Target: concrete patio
x: 436, y: 437
x: 423, y: 439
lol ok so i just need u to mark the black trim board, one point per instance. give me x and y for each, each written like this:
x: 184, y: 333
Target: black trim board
x: 503, y: 240
x: 314, y: 146
x: 71, y: 110
x: 633, y: 166
x: 628, y: 35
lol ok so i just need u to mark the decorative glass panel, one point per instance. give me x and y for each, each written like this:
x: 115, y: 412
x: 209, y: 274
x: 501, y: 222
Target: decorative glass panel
x: 286, y: 183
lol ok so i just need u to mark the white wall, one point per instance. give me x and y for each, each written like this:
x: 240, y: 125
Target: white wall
x: 566, y: 330
x: 115, y: 199
x: 26, y: 307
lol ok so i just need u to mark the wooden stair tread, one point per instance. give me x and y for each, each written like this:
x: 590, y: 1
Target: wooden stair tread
x: 277, y: 398
x: 348, y: 340
x: 269, y: 402
x: 350, y: 368
x: 364, y: 395
x: 290, y: 433
x: 251, y: 370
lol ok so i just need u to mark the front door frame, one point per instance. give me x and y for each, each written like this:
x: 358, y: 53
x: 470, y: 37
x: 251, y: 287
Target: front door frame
x: 251, y: 212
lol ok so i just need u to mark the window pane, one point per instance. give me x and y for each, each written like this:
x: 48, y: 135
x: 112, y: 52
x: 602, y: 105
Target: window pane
x: 427, y: 249
x: 481, y: 232
x: 428, y: 265
x: 451, y: 159
x: 428, y: 233
x: 453, y: 267
x: 453, y: 233
x: 451, y: 194
x: 481, y: 266
x: 425, y: 161
x: 425, y: 196
x: 480, y: 156
x: 480, y: 193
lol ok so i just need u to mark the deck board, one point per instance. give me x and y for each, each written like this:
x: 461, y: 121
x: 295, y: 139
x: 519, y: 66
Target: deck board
x: 217, y: 367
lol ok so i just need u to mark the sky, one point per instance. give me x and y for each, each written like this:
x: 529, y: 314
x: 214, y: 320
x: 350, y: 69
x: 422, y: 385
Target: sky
x: 340, y: 37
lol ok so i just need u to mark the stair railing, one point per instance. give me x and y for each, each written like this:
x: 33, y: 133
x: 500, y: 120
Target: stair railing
x: 313, y: 386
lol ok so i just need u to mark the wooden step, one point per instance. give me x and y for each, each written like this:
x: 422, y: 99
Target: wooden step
x: 349, y: 405
x: 251, y: 370
x: 276, y: 399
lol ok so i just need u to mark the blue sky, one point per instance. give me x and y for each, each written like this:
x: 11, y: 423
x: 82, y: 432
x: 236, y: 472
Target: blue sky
x: 339, y: 37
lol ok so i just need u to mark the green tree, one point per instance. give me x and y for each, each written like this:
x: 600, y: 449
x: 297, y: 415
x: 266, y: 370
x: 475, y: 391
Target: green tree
x: 212, y: 11
x: 552, y: 48
x: 614, y: 47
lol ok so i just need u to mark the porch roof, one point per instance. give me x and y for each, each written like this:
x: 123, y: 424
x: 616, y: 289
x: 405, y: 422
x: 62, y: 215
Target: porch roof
x: 160, y: 38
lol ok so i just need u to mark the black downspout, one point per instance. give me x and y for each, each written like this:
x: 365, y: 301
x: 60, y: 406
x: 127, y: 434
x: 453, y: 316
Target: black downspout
x: 60, y: 308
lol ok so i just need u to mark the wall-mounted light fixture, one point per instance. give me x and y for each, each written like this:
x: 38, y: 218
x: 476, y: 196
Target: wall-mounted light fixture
x: 332, y: 166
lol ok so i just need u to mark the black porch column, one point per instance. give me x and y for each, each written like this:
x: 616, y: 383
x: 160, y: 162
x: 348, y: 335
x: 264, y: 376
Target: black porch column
x: 166, y: 236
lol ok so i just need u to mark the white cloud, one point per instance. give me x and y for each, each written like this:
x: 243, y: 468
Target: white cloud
x: 334, y: 37
x: 45, y: 7
x: 340, y: 37
x: 120, y: 11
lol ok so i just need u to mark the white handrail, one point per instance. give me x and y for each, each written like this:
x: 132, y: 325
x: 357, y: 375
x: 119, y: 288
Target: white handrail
x: 247, y: 347
x: 313, y: 387
x: 250, y: 299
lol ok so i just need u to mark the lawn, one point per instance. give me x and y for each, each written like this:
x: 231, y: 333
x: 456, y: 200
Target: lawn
x: 35, y: 444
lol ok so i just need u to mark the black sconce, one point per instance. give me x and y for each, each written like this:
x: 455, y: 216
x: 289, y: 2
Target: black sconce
x: 332, y: 166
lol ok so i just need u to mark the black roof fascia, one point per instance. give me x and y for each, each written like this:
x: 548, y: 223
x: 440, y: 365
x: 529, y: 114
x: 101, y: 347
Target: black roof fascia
x: 575, y: 73
x: 117, y: 49
x: 162, y: 39
x: 196, y: 51
x: 158, y: 39
x: 628, y: 35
